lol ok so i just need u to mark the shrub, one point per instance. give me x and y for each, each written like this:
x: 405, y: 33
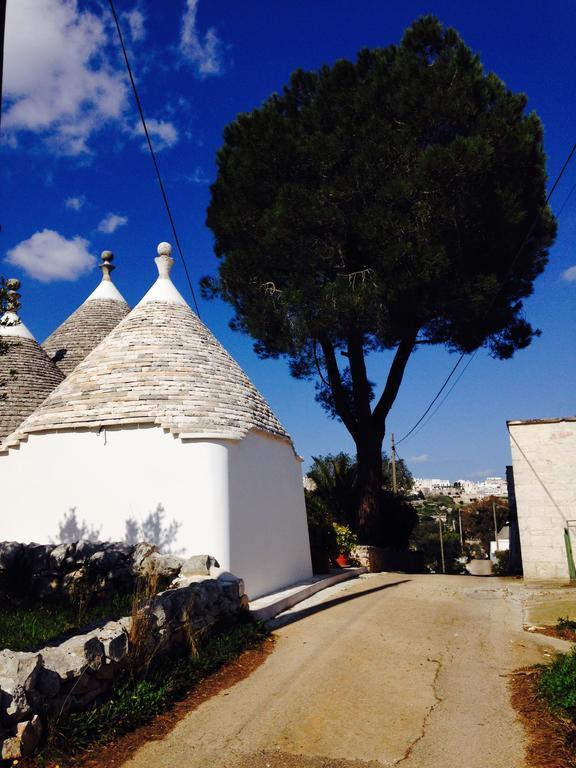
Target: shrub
x: 501, y: 566
x: 557, y: 683
x: 320, y: 528
x: 565, y: 623
x: 346, y: 539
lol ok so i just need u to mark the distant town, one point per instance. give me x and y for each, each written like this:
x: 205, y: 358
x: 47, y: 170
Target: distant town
x: 464, y: 490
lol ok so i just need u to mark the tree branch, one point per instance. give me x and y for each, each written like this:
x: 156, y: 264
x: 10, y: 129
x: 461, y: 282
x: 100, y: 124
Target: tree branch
x: 394, y: 380
x: 338, y: 391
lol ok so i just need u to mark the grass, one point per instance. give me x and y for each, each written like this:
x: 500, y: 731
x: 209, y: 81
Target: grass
x: 557, y: 684
x: 134, y: 703
x: 27, y: 625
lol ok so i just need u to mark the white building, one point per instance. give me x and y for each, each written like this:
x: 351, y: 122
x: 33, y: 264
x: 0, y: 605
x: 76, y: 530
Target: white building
x: 159, y: 413
x: 544, y: 462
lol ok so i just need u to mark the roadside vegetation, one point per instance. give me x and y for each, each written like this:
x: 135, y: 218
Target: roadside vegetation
x: 27, y: 623
x: 135, y: 702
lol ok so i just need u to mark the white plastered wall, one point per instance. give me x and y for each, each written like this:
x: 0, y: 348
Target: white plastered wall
x: 268, y: 528
x: 544, y: 460
x: 206, y: 486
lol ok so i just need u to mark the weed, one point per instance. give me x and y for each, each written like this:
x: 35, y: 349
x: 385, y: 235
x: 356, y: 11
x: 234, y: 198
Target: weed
x: 557, y: 684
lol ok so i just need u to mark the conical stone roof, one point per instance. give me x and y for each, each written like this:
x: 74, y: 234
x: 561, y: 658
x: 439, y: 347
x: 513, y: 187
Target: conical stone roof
x: 27, y: 375
x: 161, y: 365
x: 89, y: 324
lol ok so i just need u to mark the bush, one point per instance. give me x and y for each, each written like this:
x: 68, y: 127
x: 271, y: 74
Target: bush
x: 565, y: 623
x: 557, y: 683
x: 320, y: 529
x: 501, y: 566
x: 398, y: 518
x: 346, y: 539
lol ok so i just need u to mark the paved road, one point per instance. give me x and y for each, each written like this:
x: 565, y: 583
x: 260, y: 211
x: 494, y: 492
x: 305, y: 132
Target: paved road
x: 383, y: 671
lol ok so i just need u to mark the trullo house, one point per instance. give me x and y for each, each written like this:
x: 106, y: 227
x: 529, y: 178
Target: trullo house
x: 160, y: 414
x: 27, y: 375
x: 90, y: 323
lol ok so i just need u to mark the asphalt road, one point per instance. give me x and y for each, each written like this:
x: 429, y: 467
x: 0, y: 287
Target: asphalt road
x: 383, y: 671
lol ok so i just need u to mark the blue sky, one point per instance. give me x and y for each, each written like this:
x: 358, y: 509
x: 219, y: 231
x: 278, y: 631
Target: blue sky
x: 75, y: 179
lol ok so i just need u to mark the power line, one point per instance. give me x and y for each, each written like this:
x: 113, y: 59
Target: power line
x: 427, y: 411
x: 508, y: 272
x: 152, y: 153
x: 447, y: 395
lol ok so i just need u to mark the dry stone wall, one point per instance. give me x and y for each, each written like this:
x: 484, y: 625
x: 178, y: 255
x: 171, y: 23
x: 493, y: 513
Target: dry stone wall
x: 70, y: 676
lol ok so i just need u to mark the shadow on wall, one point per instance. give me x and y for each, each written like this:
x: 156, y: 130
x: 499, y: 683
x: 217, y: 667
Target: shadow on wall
x: 153, y: 530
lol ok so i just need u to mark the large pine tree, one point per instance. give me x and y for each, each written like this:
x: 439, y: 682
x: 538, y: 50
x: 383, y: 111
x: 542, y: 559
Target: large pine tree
x: 379, y: 205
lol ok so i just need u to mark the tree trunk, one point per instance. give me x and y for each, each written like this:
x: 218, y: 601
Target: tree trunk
x: 369, y: 484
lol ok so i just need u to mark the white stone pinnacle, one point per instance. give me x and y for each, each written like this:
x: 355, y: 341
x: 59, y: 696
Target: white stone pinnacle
x: 10, y: 323
x: 106, y: 289
x: 164, y: 289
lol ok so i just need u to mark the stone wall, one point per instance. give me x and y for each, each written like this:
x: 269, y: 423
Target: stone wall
x: 50, y: 570
x: 72, y: 675
x: 378, y: 559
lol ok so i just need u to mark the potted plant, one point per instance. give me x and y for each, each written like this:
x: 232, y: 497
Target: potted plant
x: 346, y: 541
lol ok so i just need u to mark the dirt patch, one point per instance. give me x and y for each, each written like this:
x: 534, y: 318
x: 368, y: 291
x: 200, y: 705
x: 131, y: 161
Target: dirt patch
x: 117, y: 751
x: 278, y: 759
x: 562, y: 634
x: 551, y: 739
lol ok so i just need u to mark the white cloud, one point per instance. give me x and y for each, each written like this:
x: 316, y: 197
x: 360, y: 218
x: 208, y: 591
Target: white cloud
x: 569, y: 275
x: 111, y: 222
x: 58, y: 78
x: 163, y: 133
x: 75, y: 202
x: 198, y: 177
x: 48, y: 256
x: 203, y: 53
x: 421, y: 459
x: 136, y: 24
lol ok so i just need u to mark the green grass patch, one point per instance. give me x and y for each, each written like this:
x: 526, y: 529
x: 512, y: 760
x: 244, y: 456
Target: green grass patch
x: 134, y: 703
x: 557, y: 684
x: 26, y: 625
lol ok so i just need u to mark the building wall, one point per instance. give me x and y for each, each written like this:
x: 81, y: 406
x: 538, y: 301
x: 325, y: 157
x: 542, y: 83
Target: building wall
x: 241, y: 502
x: 544, y: 460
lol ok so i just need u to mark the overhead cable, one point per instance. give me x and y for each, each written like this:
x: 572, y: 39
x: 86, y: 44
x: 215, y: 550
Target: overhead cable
x: 152, y: 153
x: 508, y: 272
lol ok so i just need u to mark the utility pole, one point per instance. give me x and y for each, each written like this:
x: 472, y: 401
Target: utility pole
x: 460, y: 527
x: 393, y: 452
x: 495, y: 526
x: 441, y: 544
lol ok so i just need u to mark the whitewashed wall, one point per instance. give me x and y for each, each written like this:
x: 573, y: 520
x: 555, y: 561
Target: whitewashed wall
x: 241, y: 502
x: 544, y: 460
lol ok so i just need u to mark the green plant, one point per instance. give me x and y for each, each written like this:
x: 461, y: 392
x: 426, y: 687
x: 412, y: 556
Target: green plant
x: 566, y: 623
x: 134, y: 703
x: 501, y: 566
x: 320, y: 528
x: 346, y: 539
x: 26, y: 623
x: 557, y: 683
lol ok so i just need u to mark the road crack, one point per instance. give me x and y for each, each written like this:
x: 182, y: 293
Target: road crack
x: 408, y: 753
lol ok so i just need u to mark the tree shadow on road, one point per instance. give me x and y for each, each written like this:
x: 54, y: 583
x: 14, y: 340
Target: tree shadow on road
x: 291, y: 616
